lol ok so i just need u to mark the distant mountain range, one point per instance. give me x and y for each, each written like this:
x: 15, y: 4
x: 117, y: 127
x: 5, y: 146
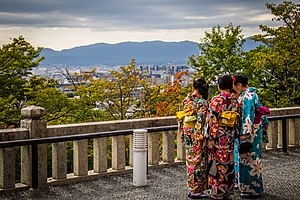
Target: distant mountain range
x: 150, y: 52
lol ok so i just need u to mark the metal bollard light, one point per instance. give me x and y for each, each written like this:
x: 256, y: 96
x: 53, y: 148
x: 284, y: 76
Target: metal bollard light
x: 140, y: 151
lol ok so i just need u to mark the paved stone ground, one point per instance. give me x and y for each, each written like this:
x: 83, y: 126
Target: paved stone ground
x: 281, y: 175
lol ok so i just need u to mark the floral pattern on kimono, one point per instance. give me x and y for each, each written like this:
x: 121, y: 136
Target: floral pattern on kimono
x: 248, y: 167
x: 221, y: 158
x: 194, y: 141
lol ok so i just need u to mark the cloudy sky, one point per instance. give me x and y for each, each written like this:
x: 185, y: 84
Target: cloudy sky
x: 61, y: 24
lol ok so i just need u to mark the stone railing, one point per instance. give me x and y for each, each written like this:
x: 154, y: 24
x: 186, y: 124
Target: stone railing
x: 34, y: 127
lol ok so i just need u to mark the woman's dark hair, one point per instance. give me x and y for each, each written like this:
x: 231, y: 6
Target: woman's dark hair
x: 202, y: 87
x: 233, y: 91
x: 225, y: 82
x: 241, y: 78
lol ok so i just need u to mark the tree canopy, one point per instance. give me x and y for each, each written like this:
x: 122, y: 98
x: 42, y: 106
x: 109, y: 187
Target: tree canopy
x: 16, y: 61
x: 276, y: 66
x: 220, y: 52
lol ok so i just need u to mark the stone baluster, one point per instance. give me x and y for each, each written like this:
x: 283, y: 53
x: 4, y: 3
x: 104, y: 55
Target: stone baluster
x: 181, y: 155
x: 37, y: 129
x: 280, y: 133
x: 59, y: 160
x: 153, y: 148
x: 294, y: 137
x: 273, y: 134
x: 118, y: 152
x: 80, y: 157
x: 130, y: 150
x: 100, y: 155
x: 263, y: 146
x: 168, y: 146
x: 7, y: 168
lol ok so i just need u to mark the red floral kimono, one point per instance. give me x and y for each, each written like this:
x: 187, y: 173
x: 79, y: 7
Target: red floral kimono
x: 194, y: 140
x: 221, y: 158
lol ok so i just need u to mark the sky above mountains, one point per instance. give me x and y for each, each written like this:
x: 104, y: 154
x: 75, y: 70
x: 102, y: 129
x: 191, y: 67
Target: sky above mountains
x: 62, y: 24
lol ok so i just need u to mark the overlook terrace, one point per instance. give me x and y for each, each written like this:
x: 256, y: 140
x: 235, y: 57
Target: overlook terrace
x: 35, y: 128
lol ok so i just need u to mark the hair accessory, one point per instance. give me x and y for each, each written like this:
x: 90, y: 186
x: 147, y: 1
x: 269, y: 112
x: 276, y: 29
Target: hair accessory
x: 233, y: 79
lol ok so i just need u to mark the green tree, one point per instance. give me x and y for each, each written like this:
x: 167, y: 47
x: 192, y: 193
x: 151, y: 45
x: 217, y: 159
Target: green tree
x: 16, y: 61
x: 220, y: 53
x: 42, y: 92
x: 276, y: 65
x: 115, y: 94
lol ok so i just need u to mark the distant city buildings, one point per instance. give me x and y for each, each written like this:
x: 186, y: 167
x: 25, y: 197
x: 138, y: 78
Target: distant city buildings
x: 163, y: 74
x: 159, y: 74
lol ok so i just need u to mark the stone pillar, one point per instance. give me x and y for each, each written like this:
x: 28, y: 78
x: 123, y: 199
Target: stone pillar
x: 168, y: 146
x: 181, y: 154
x: 130, y: 150
x: 7, y: 168
x: 297, y: 131
x: 280, y: 133
x: 294, y: 137
x: 100, y: 155
x: 273, y: 134
x: 118, y: 152
x: 153, y: 148
x: 37, y: 129
x: 59, y: 160
x: 80, y: 151
x: 263, y: 146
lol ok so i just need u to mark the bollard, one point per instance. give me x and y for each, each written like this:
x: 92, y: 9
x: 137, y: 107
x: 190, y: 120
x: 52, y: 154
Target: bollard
x: 140, y: 157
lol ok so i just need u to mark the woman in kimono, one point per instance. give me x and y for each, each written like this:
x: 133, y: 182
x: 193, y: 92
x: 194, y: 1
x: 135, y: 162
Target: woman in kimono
x: 221, y: 141
x: 191, y: 130
x: 248, y: 167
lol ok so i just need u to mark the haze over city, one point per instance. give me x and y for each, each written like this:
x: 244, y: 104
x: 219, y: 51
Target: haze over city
x: 65, y: 24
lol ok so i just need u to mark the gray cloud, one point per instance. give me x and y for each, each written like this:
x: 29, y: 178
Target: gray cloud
x: 132, y: 14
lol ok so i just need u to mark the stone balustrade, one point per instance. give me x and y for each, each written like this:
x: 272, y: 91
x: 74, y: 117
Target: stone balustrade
x: 33, y: 126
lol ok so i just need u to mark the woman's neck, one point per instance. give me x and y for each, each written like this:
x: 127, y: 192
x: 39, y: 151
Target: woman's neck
x: 244, y: 88
x: 227, y: 91
x: 196, y: 93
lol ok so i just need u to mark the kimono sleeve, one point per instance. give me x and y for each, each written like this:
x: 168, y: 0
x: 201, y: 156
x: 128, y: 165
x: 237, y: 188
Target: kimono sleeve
x: 265, y: 122
x: 248, y: 107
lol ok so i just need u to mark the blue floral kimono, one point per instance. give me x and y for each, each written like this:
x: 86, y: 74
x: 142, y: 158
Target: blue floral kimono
x: 248, y: 167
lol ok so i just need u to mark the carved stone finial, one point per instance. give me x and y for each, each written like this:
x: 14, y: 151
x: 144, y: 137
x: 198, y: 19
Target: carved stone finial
x: 34, y: 112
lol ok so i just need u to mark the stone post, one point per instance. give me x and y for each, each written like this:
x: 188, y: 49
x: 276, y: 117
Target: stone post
x: 273, y: 134
x: 294, y: 137
x: 181, y: 155
x: 130, y: 137
x: 168, y: 146
x: 280, y: 133
x: 153, y: 148
x: 118, y: 152
x: 80, y: 157
x: 100, y: 155
x: 59, y: 160
x: 37, y: 129
x: 7, y: 168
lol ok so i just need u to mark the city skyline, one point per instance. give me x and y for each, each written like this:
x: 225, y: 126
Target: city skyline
x: 71, y: 23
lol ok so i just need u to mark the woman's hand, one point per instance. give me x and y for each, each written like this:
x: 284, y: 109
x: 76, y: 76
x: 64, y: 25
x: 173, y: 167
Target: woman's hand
x: 243, y: 137
x: 211, y: 144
